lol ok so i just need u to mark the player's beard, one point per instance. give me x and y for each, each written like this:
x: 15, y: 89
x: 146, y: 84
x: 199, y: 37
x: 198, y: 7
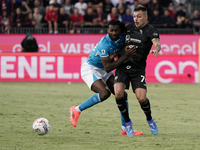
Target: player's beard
x: 114, y: 37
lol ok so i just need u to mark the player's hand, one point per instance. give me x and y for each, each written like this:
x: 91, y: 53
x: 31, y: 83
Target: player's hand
x: 155, y: 52
x: 112, y: 56
x: 130, y: 50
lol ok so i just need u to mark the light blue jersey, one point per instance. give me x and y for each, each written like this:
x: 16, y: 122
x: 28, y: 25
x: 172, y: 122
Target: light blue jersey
x: 104, y: 48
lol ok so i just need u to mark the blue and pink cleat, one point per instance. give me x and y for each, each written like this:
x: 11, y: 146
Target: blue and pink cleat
x: 129, y: 128
x: 153, y: 126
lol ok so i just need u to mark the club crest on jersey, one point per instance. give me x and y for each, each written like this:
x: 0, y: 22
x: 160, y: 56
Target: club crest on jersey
x: 155, y: 34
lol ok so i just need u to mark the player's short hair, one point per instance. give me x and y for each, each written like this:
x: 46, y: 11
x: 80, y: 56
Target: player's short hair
x: 117, y: 22
x: 140, y: 8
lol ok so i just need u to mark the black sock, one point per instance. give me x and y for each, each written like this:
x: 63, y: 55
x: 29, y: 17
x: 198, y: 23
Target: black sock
x: 146, y: 107
x: 121, y: 103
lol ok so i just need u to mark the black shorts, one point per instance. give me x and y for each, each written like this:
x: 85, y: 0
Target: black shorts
x: 137, y: 78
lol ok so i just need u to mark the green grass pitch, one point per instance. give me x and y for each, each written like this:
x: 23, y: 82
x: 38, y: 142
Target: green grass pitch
x: 175, y: 108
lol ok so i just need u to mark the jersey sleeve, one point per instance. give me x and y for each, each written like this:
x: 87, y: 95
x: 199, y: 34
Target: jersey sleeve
x: 103, y: 51
x: 153, y: 33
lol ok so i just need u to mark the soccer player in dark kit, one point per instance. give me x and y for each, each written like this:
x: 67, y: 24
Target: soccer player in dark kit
x: 143, y: 36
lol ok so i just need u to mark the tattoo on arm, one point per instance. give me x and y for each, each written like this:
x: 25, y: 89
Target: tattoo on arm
x: 156, y: 43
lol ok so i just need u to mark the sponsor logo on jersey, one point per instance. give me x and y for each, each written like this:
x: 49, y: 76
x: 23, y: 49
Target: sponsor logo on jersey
x: 135, y: 40
x: 129, y: 39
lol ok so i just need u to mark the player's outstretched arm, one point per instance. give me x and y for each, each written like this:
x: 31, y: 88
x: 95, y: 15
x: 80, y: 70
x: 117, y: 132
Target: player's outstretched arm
x: 156, y: 43
x: 109, y: 65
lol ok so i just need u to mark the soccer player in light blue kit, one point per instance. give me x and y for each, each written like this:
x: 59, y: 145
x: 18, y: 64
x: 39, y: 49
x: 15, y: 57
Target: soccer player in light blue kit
x: 97, y: 71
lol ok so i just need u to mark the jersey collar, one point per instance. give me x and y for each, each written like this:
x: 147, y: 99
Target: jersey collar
x: 141, y: 28
x: 108, y: 38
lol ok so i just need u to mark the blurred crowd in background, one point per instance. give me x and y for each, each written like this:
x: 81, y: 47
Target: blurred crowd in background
x: 71, y: 14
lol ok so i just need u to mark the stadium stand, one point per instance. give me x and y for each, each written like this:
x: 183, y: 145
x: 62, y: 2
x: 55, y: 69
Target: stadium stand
x: 22, y: 16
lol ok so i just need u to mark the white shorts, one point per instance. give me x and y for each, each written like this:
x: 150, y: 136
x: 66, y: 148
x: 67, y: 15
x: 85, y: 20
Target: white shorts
x: 90, y: 74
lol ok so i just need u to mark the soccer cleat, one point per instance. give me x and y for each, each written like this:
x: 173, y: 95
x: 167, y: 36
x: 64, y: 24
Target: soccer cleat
x: 153, y: 126
x: 123, y: 132
x: 135, y: 132
x: 74, y: 115
x: 129, y: 128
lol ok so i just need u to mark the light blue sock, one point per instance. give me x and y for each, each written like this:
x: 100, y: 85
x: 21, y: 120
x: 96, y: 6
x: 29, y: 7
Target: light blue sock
x: 93, y: 100
x: 122, y: 118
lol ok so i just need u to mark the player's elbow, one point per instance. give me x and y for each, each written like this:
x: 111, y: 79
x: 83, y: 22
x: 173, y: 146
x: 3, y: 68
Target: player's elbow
x: 108, y: 67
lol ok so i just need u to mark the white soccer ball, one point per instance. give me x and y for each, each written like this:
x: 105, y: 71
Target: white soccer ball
x: 41, y: 126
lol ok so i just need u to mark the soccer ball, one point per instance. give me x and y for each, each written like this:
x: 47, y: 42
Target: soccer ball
x: 41, y: 126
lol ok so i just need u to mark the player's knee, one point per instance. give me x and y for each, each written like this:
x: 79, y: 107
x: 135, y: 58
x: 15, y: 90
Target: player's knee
x: 141, y: 99
x: 105, y: 95
x: 119, y: 93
